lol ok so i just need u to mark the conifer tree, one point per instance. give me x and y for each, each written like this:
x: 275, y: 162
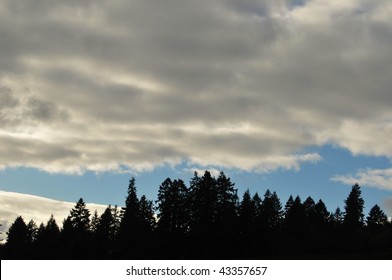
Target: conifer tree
x: 172, y: 208
x: 203, y: 200
x: 48, y: 240
x: 18, y: 240
x: 247, y: 213
x: 271, y: 212
x: 376, y: 218
x: 131, y: 233
x: 75, y: 235
x: 321, y: 218
x: 226, y: 214
x: 94, y: 221
x: 354, y: 204
x: 337, y: 217
x: 104, y: 234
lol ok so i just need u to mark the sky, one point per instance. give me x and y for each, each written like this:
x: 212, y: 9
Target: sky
x: 287, y: 95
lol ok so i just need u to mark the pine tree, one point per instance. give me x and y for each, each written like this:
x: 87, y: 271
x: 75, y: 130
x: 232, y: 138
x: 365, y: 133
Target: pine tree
x: 131, y: 233
x: 172, y: 208
x: 376, y: 218
x: 32, y: 230
x: 147, y: 215
x: 258, y: 218
x: 354, y: 204
x: 310, y: 209
x: 296, y: 226
x: 203, y: 200
x: 227, y: 204
x: 288, y: 205
x: 104, y: 234
x: 18, y: 240
x: 337, y: 217
x: 321, y: 218
x: 75, y: 235
x: 48, y: 240
x: 271, y: 212
x: 247, y: 213
x: 94, y: 222
x: 80, y: 216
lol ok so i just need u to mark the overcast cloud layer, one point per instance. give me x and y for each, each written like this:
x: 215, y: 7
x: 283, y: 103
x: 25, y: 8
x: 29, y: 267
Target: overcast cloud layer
x: 114, y: 85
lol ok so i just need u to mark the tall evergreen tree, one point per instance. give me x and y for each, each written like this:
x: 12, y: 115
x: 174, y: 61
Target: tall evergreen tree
x: 32, y: 231
x: 247, y: 214
x: 80, y: 216
x: 376, y: 218
x: 226, y: 214
x: 321, y: 218
x: 147, y: 215
x: 76, y: 232
x: 104, y: 234
x: 48, y: 240
x: 18, y: 240
x: 172, y: 208
x: 173, y: 218
x: 271, y: 212
x: 258, y: 218
x: 296, y: 226
x: 337, y: 217
x: 354, y: 204
x: 131, y: 229
x: 94, y: 221
x: 203, y: 198
x: 288, y: 205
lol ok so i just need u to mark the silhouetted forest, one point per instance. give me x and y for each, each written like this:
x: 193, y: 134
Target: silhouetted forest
x: 207, y: 220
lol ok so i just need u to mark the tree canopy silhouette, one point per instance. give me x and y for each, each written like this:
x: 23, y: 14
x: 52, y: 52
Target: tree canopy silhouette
x: 207, y: 220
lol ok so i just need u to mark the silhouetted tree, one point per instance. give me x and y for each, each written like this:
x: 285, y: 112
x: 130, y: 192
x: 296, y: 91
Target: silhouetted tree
x: 337, y: 217
x: 310, y: 209
x: 203, y: 200
x: 47, y: 241
x: 295, y: 226
x: 148, y: 221
x: 173, y: 218
x: 131, y: 233
x: 94, y: 221
x: 104, y: 234
x: 271, y: 212
x: 75, y: 235
x: 172, y: 206
x: 288, y: 205
x: 258, y: 218
x: 227, y: 203
x: 376, y: 218
x: 247, y: 213
x: 321, y: 216
x: 353, y: 217
x: 18, y: 240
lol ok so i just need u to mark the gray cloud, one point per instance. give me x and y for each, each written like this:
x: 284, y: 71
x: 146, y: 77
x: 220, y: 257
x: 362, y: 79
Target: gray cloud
x: 242, y: 84
x: 388, y: 207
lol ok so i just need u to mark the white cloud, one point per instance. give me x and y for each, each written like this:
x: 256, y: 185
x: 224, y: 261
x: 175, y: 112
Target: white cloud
x: 378, y: 178
x: 37, y: 208
x: 97, y: 85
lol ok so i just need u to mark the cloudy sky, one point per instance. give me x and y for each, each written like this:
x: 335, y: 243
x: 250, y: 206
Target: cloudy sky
x: 291, y: 95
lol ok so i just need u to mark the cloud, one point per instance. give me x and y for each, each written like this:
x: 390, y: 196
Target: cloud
x: 37, y: 208
x: 378, y: 178
x: 388, y: 207
x: 249, y: 85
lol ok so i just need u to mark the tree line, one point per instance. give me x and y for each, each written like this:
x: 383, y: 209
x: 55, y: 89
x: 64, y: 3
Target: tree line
x: 207, y: 220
